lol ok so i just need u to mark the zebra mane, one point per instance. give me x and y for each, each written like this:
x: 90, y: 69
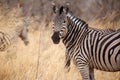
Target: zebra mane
x: 74, y: 18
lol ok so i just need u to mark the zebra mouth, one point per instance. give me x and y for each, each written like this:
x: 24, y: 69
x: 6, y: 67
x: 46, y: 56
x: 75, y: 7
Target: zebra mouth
x: 55, y: 38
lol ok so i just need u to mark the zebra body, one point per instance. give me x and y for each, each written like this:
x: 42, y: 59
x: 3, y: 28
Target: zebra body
x: 6, y: 39
x: 88, y: 47
x: 93, y: 44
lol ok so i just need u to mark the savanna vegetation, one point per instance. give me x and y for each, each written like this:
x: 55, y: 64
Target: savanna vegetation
x: 41, y: 59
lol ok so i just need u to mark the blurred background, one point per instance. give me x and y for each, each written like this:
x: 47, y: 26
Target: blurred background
x: 104, y: 11
x: 41, y: 59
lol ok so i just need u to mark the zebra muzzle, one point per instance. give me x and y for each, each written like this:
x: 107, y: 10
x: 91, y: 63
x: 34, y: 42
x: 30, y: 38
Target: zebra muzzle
x: 26, y: 42
x: 55, y: 38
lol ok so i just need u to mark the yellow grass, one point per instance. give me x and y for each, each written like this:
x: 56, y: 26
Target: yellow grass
x: 19, y: 62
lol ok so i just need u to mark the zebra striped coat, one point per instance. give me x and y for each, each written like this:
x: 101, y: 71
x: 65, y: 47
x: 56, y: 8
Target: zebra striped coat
x: 88, y: 47
x: 6, y: 39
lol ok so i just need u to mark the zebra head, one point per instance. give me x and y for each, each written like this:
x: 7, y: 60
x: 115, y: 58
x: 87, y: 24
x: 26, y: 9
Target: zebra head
x: 59, y: 22
x: 23, y: 34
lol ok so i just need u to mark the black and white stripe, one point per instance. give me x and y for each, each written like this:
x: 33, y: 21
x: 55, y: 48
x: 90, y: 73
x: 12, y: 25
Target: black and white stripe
x: 91, y: 48
x: 88, y: 47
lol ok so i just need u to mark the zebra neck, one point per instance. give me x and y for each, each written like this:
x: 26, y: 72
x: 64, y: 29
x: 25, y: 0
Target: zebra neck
x: 77, y: 31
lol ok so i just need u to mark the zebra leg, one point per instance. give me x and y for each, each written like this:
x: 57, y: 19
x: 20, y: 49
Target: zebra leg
x: 83, y: 66
x: 85, y: 72
x: 91, y: 74
x: 67, y: 63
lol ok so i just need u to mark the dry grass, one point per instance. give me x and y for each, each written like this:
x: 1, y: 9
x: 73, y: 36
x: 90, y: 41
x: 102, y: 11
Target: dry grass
x: 19, y: 62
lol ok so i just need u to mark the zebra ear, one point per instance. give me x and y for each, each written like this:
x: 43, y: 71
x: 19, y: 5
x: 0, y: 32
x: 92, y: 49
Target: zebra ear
x: 66, y: 8
x: 67, y: 4
x: 54, y: 8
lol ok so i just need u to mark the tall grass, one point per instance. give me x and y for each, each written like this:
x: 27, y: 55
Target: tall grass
x: 19, y: 62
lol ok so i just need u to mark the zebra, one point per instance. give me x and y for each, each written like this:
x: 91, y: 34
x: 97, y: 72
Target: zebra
x: 89, y: 48
x: 6, y: 39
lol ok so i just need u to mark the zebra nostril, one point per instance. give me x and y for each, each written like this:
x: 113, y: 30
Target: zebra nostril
x: 53, y: 27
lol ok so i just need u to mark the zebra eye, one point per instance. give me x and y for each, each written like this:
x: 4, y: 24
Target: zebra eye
x: 64, y: 21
